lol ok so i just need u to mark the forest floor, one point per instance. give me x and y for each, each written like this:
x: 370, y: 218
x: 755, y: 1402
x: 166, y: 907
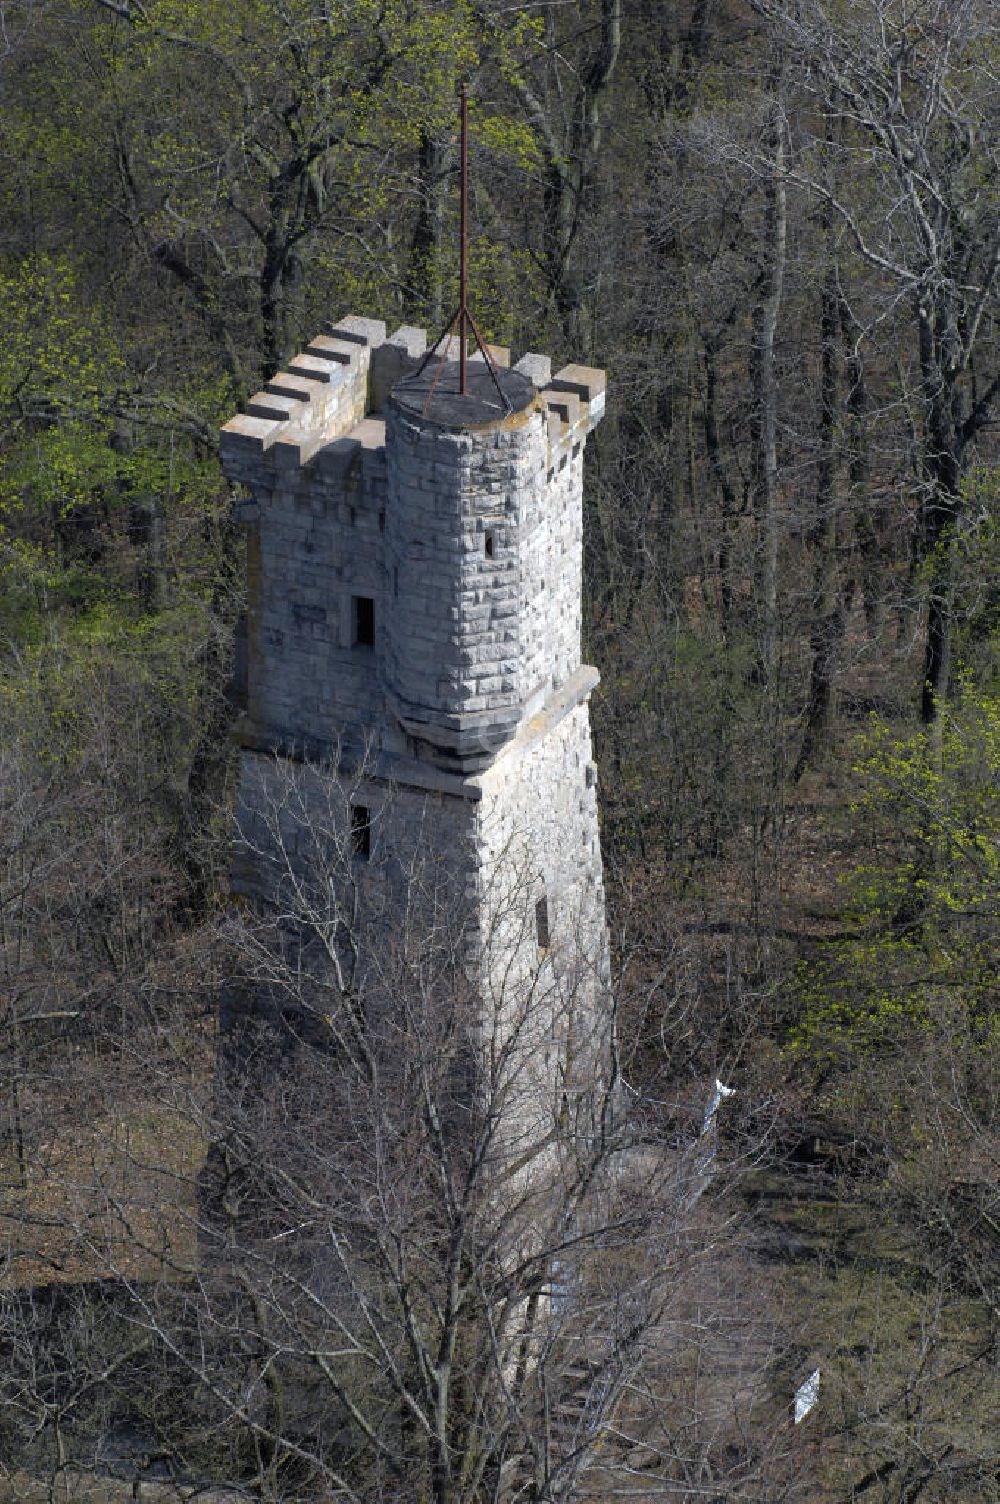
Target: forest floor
x: 78, y: 1486
x: 107, y: 1184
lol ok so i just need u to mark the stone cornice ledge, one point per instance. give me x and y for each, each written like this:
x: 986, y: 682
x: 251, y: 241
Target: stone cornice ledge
x: 351, y: 760
x: 390, y: 767
x: 573, y: 692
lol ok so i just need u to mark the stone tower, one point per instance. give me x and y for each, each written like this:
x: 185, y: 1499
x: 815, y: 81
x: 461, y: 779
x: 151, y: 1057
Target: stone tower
x: 414, y: 565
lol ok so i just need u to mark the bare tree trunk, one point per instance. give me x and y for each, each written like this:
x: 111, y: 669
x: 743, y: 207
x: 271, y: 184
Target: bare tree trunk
x: 281, y: 284
x: 767, y: 331
x: 424, y: 280
x: 829, y: 607
x: 942, y: 477
x: 569, y: 156
x: 730, y: 506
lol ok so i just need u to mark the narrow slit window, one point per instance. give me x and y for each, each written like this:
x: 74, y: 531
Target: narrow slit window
x: 364, y: 621
x: 542, y: 924
x: 490, y: 545
x: 361, y: 831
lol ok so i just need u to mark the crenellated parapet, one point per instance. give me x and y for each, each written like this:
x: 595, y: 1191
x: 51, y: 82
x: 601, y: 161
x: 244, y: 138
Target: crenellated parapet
x: 347, y: 374
x: 317, y: 399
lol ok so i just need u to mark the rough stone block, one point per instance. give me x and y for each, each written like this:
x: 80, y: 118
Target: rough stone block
x: 585, y: 381
x: 589, y: 384
x: 335, y: 458
x: 565, y: 404
x: 409, y: 338
x: 369, y: 433
x: 267, y: 405
x: 246, y: 437
x: 343, y: 351
x: 392, y: 363
x: 285, y: 385
x: 315, y: 368
x: 359, y: 331
x: 294, y: 447
x: 500, y: 354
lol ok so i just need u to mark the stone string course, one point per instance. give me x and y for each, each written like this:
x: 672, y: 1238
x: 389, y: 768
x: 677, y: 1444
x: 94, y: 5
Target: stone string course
x: 463, y: 726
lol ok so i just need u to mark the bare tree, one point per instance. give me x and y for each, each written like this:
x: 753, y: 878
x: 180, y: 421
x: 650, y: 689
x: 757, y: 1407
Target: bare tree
x: 907, y: 101
x: 426, y: 1262
x: 561, y: 84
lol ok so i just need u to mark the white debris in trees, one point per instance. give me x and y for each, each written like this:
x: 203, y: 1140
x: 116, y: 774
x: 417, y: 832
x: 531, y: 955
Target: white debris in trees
x: 718, y: 1096
x: 806, y: 1396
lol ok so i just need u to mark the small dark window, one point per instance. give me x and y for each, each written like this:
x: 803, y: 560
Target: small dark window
x: 542, y: 923
x: 361, y: 831
x: 395, y: 579
x: 381, y: 522
x: 490, y: 544
x: 364, y: 621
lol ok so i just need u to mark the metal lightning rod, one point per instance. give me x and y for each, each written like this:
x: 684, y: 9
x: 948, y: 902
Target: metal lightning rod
x: 462, y: 317
x: 463, y: 256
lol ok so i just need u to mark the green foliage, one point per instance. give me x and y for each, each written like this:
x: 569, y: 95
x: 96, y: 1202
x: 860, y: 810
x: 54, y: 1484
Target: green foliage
x: 508, y: 139
x: 926, y: 894
x: 977, y: 579
x: 58, y: 469
x: 60, y: 682
x: 57, y: 360
x: 932, y: 804
x: 56, y: 356
x: 69, y: 468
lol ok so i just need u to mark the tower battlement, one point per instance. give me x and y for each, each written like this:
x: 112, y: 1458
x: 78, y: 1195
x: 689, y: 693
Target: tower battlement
x: 346, y: 375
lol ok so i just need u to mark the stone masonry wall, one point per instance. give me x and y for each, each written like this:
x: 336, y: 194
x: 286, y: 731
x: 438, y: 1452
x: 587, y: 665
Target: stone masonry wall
x: 465, y: 511
x: 293, y: 828
x: 551, y: 580
x: 538, y: 844
x: 481, y: 864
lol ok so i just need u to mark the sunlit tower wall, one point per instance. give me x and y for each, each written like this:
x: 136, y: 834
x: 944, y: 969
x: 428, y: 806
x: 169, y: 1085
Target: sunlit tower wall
x: 413, y: 631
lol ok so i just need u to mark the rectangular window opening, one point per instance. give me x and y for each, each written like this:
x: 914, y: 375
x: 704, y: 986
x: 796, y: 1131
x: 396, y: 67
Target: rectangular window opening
x: 361, y: 831
x: 490, y: 545
x: 364, y: 621
x: 542, y: 924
